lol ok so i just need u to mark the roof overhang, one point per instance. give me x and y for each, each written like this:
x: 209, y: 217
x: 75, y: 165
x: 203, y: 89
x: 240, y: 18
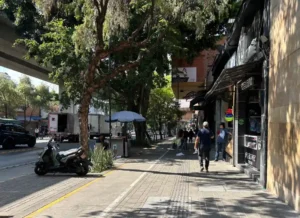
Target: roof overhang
x: 230, y: 76
x: 199, y: 99
x: 187, y: 90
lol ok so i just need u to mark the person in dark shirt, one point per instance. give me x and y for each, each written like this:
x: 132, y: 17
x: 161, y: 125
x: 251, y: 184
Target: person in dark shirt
x: 185, y: 139
x: 191, y: 135
x: 203, y: 143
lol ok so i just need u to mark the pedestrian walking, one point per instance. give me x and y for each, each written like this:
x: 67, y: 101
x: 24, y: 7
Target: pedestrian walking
x: 222, y: 141
x: 203, y: 144
x: 185, y: 139
x: 191, y: 136
x: 36, y: 132
x: 180, y: 141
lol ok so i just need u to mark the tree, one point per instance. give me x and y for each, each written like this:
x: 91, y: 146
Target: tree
x: 35, y: 97
x: 43, y: 97
x: 9, y: 97
x: 163, y: 110
x: 77, y: 37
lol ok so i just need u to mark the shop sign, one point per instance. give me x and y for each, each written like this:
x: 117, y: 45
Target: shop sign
x: 247, y: 84
x: 250, y: 158
x: 229, y: 115
x: 250, y: 142
x: 241, y: 122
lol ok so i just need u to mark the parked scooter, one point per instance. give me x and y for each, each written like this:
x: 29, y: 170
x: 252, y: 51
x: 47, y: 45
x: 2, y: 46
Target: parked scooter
x: 55, y: 161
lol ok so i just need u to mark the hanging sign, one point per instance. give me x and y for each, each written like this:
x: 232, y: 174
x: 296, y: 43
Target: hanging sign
x: 247, y: 84
x: 229, y: 115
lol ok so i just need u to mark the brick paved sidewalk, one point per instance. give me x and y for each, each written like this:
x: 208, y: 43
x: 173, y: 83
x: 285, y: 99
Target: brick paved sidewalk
x: 171, y: 187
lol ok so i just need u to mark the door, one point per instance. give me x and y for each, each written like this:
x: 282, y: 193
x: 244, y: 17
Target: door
x: 5, y: 132
x: 20, y: 134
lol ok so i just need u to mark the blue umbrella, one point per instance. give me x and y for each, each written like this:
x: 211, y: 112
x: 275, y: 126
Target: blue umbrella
x: 126, y: 117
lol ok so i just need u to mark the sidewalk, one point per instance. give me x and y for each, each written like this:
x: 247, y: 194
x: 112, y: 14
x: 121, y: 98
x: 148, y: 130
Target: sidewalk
x: 159, y: 184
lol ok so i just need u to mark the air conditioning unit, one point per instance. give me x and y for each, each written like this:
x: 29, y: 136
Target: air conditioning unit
x: 251, y: 51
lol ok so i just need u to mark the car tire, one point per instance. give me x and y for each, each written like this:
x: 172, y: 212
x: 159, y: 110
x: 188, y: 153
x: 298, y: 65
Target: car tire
x: 8, y: 143
x: 31, y: 143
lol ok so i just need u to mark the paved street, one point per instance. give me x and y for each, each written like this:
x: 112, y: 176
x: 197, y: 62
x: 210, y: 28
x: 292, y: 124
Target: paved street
x: 18, y: 162
x: 155, y: 184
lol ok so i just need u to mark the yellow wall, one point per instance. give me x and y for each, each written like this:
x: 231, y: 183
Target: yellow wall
x: 284, y: 102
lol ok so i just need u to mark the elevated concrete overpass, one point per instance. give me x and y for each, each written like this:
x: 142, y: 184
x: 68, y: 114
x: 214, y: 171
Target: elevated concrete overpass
x: 13, y: 57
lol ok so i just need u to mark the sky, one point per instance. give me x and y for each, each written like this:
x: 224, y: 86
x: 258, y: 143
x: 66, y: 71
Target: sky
x: 15, y: 76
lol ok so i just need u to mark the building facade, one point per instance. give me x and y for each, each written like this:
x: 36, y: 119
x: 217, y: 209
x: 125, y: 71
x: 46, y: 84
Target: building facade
x: 190, y: 82
x: 256, y: 77
x: 283, y: 165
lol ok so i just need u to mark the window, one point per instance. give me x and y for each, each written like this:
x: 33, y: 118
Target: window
x: 18, y: 128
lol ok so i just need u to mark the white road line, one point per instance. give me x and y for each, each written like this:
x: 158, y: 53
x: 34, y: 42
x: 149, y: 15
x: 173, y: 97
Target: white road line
x: 121, y: 196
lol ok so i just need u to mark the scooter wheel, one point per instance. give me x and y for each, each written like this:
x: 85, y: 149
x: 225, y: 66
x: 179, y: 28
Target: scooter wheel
x: 85, y: 170
x: 40, y: 170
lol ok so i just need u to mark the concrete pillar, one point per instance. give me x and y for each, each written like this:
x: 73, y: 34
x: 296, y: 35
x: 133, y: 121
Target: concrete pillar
x: 236, y: 127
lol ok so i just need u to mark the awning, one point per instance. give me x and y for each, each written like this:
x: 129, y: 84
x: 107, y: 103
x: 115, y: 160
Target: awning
x: 230, y: 76
x: 199, y: 98
x: 29, y: 118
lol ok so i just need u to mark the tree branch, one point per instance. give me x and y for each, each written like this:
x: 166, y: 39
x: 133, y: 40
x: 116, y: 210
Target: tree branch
x: 130, y: 65
x: 129, y: 43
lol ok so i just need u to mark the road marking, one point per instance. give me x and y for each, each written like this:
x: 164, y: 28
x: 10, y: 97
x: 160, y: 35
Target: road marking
x: 37, y: 212
x: 121, y: 196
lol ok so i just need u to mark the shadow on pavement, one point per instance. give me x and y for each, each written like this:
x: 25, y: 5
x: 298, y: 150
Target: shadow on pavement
x: 256, y: 205
x: 16, y: 189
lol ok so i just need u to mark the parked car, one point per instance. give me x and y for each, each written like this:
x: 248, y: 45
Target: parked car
x: 13, y: 134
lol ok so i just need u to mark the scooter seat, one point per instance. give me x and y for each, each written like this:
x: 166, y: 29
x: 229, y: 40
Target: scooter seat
x: 68, y: 152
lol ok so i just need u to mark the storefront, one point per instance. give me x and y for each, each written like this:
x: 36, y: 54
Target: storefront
x: 249, y: 120
x: 239, y: 89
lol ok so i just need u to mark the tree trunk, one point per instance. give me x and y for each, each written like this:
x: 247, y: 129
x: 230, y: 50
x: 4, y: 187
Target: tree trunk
x: 143, y: 105
x: 140, y: 131
x: 83, y: 114
x: 6, y: 110
x: 160, y: 130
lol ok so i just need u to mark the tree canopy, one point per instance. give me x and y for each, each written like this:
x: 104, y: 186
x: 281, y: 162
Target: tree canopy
x: 89, y: 43
x: 163, y: 110
x: 23, y: 95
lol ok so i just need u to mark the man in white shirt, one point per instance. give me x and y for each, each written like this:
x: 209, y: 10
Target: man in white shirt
x: 36, y: 132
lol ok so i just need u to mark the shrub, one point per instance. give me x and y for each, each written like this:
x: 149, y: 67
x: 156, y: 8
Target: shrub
x: 101, y: 159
